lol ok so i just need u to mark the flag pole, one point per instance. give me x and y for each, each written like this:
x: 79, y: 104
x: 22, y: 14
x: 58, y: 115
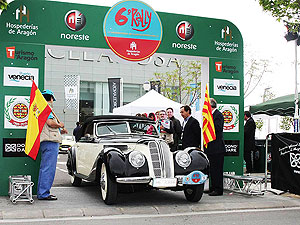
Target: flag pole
x: 296, y: 114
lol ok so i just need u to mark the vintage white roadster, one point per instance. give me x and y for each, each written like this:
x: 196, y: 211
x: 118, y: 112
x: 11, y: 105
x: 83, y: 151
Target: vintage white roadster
x: 117, y: 151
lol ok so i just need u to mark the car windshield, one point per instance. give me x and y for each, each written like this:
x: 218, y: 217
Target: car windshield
x: 122, y: 128
x: 112, y: 128
x: 142, y: 128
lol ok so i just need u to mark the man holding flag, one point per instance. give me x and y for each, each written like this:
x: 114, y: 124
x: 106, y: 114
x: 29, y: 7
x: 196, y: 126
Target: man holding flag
x: 215, y: 149
x: 44, y: 133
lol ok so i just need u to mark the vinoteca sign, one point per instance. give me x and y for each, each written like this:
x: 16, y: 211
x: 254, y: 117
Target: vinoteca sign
x: 227, y: 87
x: 19, y: 76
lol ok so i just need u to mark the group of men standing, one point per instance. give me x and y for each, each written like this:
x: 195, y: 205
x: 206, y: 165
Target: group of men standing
x: 190, y: 134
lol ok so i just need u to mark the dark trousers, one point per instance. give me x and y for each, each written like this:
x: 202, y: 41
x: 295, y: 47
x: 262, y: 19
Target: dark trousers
x: 216, y: 162
x: 248, y: 160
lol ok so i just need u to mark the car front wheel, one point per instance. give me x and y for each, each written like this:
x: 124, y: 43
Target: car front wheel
x: 108, y: 186
x: 75, y: 181
x: 193, y: 193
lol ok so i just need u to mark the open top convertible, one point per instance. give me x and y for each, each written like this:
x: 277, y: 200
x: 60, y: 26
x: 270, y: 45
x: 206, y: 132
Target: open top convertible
x: 117, y: 151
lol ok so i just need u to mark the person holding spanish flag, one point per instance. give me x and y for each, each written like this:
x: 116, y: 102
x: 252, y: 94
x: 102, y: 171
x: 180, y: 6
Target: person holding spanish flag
x: 50, y: 139
x: 44, y: 134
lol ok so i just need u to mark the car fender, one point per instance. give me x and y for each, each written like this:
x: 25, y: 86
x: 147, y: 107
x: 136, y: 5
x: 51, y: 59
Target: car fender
x: 114, y: 160
x: 199, y: 161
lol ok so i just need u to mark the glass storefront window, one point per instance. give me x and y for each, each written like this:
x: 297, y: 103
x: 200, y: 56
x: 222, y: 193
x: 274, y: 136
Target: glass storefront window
x: 94, y: 99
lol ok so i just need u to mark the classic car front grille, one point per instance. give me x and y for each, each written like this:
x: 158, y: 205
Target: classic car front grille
x: 155, y: 157
x: 160, y: 159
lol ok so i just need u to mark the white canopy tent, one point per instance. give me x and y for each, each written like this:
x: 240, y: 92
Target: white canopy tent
x: 152, y: 101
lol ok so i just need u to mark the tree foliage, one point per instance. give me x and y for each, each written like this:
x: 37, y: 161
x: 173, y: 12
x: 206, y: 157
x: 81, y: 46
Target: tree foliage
x: 254, y: 70
x: 259, y: 124
x: 286, y: 123
x: 176, y: 85
x: 3, y: 4
x: 284, y: 10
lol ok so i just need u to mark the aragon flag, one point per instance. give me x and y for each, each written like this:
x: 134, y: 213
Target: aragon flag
x: 208, y: 129
x: 39, y: 110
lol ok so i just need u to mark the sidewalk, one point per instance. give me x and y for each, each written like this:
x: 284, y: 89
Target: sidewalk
x: 86, y: 202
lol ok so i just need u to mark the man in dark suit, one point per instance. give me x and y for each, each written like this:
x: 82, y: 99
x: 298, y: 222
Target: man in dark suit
x: 177, y: 129
x: 249, y: 140
x: 191, y: 136
x: 215, y: 152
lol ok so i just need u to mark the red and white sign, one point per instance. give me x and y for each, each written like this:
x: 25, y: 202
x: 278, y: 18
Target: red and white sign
x: 10, y: 52
x: 132, y: 30
x: 218, y: 66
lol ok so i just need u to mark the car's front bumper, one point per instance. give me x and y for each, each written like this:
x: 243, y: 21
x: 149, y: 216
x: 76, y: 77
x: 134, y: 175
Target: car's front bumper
x: 194, y: 178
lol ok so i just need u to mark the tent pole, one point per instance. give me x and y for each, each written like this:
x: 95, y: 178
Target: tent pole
x: 266, y: 161
x: 296, y: 115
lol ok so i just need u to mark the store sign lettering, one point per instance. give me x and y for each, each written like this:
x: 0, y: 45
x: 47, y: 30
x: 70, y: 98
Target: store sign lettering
x: 232, y: 147
x: 158, y: 61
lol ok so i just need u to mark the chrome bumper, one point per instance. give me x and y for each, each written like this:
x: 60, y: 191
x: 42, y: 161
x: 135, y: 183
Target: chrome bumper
x: 134, y: 180
x: 178, y: 180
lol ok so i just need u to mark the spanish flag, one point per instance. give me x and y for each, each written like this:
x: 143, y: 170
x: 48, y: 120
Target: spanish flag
x: 39, y: 110
x: 208, y: 129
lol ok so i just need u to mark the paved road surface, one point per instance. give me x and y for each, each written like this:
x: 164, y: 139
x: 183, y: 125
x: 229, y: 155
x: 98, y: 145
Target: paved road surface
x: 239, y: 217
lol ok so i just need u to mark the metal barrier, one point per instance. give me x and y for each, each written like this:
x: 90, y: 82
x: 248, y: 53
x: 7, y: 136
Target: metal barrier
x: 20, y: 189
x: 244, y: 184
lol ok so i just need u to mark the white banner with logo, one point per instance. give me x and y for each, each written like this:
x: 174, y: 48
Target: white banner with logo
x: 16, y: 109
x: 231, y: 117
x: 226, y: 87
x: 20, y: 77
x: 71, y: 83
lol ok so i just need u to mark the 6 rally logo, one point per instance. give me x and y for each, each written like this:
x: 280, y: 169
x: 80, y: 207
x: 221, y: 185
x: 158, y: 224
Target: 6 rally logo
x: 132, y: 30
x: 184, y: 30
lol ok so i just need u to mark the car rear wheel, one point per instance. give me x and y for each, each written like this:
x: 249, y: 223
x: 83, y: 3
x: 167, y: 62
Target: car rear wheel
x: 193, y: 193
x: 108, y: 186
x: 75, y: 181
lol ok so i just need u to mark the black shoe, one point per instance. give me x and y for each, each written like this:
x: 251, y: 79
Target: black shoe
x: 214, y: 193
x: 49, y: 198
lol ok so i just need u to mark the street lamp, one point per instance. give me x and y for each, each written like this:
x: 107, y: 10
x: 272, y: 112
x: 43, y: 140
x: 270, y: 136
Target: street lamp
x: 294, y: 36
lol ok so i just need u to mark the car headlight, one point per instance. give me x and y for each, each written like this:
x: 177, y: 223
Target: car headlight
x: 136, y: 159
x: 183, y: 159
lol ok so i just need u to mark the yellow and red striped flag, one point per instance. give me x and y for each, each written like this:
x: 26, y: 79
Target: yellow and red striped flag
x: 208, y: 129
x: 39, y: 110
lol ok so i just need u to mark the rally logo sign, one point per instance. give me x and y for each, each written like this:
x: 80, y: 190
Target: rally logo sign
x: 195, y: 177
x: 16, y: 111
x: 133, y: 30
x: 231, y: 117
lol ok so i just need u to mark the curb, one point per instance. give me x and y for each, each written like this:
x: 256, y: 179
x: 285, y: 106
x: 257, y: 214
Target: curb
x: 152, y: 210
